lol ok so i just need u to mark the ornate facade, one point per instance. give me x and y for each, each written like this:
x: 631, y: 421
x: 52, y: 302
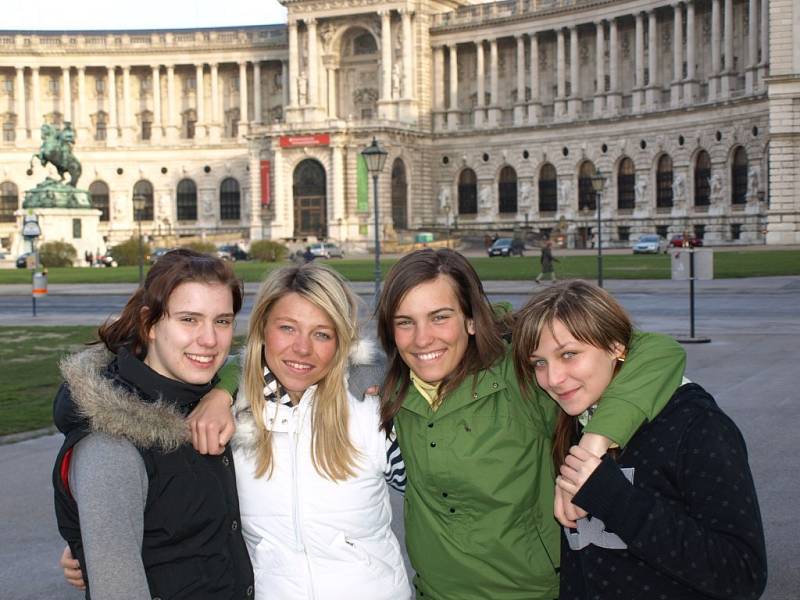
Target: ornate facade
x: 495, y: 116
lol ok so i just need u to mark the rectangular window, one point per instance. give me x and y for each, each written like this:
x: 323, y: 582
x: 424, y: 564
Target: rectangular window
x: 190, y: 127
x: 736, y: 231
x: 189, y: 84
x: 8, y: 85
x: 624, y: 233
x: 544, y: 233
x: 699, y: 231
x: 54, y: 85
x: 147, y: 130
x: 9, y: 135
x: 145, y: 84
x: 100, y: 86
x: 662, y: 230
x: 100, y: 132
x: 76, y: 229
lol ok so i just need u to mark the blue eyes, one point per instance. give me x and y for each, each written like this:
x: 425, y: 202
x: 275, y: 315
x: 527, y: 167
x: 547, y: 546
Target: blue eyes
x: 540, y: 363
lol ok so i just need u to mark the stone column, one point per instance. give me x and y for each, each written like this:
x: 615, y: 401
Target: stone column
x: 600, y: 70
x: 126, y: 120
x: 244, y: 115
x: 677, y: 55
x: 216, y: 118
x: 313, y: 61
x: 285, y: 83
x: 386, y: 55
x: 36, y: 116
x: 172, y: 122
x: 158, y: 122
x: 111, y: 126
x: 728, y: 73
x: 575, y: 102
x: 19, y: 106
x: 763, y: 64
x: 332, y: 103
x: 494, y: 87
x: 520, y: 108
x: 535, y: 106
x: 66, y: 95
x: 80, y: 117
x: 613, y: 99
x: 438, y: 88
x: 713, y: 80
x: 408, y: 55
x: 690, y: 86
x: 560, y: 107
x: 653, y: 90
x: 751, y: 72
x: 200, y: 108
x: 638, y: 86
x: 338, y: 189
x: 480, y: 110
x: 257, y: 108
x: 294, y: 57
x: 452, y: 111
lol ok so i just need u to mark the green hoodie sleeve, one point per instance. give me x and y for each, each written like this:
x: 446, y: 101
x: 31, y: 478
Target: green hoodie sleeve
x: 653, y: 370
x: 229, y: 375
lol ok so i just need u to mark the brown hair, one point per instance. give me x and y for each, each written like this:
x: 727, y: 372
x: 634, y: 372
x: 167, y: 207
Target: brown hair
x: 332, y: 451
x: 590, y: 314
x: 483, y: 348
x: 149, y: 302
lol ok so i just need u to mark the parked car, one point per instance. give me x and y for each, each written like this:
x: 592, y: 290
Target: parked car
x: 22, y: 260
x: 157, y: 253
x: 506, y: 247
x: 650, y: 244
x: 678, y: 242
x: 326, y: 250
x: 232, y: 252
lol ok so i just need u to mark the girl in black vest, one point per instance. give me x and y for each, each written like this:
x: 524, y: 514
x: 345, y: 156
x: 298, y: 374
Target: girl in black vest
x: 157, y: 519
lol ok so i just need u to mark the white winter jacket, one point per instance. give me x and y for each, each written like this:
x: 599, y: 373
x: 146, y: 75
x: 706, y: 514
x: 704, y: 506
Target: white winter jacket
x: 310, y: 537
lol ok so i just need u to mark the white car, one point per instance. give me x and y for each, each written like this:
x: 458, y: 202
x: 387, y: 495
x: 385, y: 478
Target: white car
x: 650, y: 244
x: 326, y: 250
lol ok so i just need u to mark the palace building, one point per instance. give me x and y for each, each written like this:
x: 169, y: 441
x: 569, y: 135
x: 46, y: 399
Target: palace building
x: 495, y: 116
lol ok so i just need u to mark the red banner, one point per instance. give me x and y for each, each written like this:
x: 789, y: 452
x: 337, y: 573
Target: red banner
x: 300, y: 141
x: 265, y: 183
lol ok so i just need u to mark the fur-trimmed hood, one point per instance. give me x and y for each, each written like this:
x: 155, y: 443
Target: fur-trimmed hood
x: 107, y: 407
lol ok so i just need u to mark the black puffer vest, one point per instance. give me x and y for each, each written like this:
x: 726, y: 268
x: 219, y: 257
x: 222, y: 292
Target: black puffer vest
x: 192, y: 546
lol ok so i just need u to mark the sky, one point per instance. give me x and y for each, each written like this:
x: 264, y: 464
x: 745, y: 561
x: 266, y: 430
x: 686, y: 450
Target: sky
x: 138, y: 14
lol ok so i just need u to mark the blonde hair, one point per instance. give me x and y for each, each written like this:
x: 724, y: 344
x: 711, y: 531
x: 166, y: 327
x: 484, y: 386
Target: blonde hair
x: 332, y: 452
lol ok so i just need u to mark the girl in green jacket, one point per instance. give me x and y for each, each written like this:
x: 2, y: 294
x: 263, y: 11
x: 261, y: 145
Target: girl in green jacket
x: 480, y: 492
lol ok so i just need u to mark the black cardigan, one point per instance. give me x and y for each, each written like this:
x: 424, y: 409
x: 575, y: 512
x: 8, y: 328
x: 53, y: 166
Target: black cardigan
x: 690, y: 520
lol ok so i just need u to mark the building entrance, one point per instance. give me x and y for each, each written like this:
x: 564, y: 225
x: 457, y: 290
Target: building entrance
x: 310, y: 200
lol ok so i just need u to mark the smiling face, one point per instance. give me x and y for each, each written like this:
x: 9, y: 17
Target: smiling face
x: 430, y: 329
x: 573, y: 373
x: 193, y: 338
x: 299, y: 343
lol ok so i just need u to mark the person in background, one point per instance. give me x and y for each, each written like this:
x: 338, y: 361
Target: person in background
x: 673, y: 513
x: 547, y: 259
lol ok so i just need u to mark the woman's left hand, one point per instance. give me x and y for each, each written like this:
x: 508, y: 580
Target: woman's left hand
x: 578, y: 466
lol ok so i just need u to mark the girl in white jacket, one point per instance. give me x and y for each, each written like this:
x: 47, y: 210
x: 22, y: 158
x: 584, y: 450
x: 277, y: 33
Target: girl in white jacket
x: 311, y: 461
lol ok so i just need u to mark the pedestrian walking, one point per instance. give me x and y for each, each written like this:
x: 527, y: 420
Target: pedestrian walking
x: 547, y: 259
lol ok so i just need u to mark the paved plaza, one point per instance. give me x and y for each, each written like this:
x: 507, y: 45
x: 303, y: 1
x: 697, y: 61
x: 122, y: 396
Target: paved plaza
x: 750, y: 366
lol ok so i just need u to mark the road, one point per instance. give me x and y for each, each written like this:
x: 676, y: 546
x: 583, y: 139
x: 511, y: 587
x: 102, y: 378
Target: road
x: 750, y: 366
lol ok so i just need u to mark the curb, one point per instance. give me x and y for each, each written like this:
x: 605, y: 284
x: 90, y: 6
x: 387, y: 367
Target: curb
x: 13, y: 438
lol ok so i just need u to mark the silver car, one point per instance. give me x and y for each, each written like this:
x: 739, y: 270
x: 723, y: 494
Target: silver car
x: 650, y: 244
x: 326, y: 250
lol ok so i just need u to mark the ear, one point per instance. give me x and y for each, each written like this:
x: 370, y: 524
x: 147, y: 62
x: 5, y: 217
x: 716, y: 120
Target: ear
x: 471, y: 326
x: 619, y: 352
x: 151, y: 335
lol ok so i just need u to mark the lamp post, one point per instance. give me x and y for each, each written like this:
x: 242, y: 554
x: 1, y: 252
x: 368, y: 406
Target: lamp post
x: 138, y: 207
x: 375, y: 157
x: 598, y: 183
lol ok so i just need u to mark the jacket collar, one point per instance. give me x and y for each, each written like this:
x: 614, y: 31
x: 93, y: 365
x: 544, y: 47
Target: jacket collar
x: 123, y: 397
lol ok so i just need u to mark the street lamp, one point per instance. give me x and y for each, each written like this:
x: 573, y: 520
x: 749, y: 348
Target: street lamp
x: 375, y: 157
x: 598, y: 183
x: 138, y: 208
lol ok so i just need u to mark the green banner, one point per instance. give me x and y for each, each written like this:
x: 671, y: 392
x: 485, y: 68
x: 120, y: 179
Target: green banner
x: 362, y: 185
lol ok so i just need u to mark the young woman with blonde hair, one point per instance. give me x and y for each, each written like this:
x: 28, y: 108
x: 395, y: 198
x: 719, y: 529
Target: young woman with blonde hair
x: 673, y: 513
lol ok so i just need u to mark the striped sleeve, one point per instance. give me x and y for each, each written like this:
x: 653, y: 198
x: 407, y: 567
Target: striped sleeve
x: 395, y: 472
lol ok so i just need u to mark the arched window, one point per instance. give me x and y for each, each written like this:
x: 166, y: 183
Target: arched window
x: 507, y: 190
x: 187, y: 200
x: 364, y: 44
x: 229, y: 200
x: 548, y: 191
x: 664, y: 182
x: 99, y: 193
x: 9, y: 202
x: 310, y: 185
x: 586, y: 194
x: 399, y: 195
x: 739, y: 176
x: 702, y: 177
x: 626, y: 182
x: 467, y: 193
x: 144, y: 188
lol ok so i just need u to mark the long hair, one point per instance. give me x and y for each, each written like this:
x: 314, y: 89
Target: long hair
x: 483, y: 348
x: 149, y: 302
x: 590, y: 314
x: 332, y: 452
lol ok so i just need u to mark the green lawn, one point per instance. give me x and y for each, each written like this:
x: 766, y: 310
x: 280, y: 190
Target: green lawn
x: 30, y: 357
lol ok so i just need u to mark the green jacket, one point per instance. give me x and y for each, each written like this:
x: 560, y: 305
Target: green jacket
x: 479, y: 501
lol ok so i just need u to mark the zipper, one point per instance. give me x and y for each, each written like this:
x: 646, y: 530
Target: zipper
x: 298, y: 530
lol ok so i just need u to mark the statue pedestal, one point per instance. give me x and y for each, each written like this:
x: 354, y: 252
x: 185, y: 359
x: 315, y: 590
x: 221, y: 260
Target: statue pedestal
x: 76, y: 226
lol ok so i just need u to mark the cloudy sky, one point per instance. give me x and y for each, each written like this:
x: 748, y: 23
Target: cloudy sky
x: 138, y: 14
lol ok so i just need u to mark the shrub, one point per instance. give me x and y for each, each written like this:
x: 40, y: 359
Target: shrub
x: 201, y: 247
x: 267, y: 251
x: 57, y: 254
x: 127, y: 253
